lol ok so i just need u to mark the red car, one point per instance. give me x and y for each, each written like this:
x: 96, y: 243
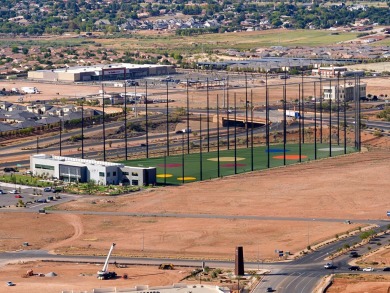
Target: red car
x: 18, y: 196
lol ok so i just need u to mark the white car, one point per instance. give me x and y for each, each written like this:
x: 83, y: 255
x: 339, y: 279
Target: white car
x: 369, y: 269
x: 14, y: 191
x: 9, y: 283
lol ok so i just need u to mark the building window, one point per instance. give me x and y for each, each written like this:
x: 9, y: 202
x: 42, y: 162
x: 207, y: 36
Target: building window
x: 134, y: 182
x: 134, y: 174
x: 125, y: 173
x: 101, y: 174
x: 113, y: 173
x: 45, y: 167
x: 108, y: 174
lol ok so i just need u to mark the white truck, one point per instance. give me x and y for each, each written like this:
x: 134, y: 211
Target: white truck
x: 291, y: 113
x: 29, y: 90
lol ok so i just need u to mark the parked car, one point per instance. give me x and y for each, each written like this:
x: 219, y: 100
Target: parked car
x: 369, y: 269
x: 41, y: 200
x: 7, y: 169
x: 2, y: 191
x: 14, y: 191
x: 9, y: 283
x: 354, y: 268
x: 18, y: 196
x: 386, y: 269
x: 47, y: 189
x: 269, y: 289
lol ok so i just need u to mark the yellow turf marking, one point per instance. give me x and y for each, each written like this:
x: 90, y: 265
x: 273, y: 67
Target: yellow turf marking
x: 164, y: 175
x: 226, y: 159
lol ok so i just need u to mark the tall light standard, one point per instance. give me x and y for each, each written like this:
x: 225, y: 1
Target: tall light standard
x: 167, y: 117
x: 104, y: 116
x: 146, y: 120
x: 82, y: 128
x: 182, y: 157
x: 60, y: 137
x: 125, y: 110
x: 246, y: 110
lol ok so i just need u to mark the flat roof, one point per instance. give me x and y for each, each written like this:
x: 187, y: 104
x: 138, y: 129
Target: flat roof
x: 75, y: 160
x: 98, y: 68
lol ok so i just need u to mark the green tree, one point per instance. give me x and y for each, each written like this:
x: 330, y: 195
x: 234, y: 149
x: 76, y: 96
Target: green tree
x: 91, y: 186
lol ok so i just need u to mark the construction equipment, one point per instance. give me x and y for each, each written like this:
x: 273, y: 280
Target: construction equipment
x: 166, y: 266
x: 104, y: 274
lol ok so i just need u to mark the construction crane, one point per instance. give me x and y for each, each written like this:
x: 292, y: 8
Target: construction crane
x: 104, y: 274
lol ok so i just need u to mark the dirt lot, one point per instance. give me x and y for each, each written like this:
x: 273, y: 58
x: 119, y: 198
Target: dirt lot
x: 82, y: 277
x: 352, y: 283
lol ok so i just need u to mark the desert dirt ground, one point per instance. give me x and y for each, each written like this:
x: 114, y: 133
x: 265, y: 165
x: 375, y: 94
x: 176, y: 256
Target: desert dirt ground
x: 82, y: 277
x: 354, y: 283
x: 353, y: 187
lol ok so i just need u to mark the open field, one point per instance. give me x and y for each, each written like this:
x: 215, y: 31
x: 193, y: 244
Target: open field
x: 354, y: 283
x: 82, y: 277
x: 159, y: 42
x: 240, y: 41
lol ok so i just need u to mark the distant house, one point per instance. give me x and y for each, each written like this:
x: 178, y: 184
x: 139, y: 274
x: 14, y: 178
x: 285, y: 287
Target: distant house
x: 6, y: 127
x: 48, y: 120
x: 102, y: 22
x: 20, y: 116
x: 5, y: 105
x: 26, y: 124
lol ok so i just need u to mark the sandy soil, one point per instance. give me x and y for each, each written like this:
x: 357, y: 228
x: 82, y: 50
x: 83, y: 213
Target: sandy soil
x: 360, y: 284
x: 82, y: 277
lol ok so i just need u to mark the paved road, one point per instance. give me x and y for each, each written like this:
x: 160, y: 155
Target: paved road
x: 304, y: 274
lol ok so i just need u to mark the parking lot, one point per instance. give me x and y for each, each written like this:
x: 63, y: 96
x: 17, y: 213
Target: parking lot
x: 32, y: 197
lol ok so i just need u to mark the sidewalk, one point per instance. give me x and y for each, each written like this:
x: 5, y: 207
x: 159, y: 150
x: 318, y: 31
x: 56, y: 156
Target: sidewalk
x: 16, y: 186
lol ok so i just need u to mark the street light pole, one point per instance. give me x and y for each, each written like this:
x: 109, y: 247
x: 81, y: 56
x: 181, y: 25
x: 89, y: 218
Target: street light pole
x: 60, y: 137
x: 82, y: 128
x: 104, y: 119
x: 125, y: 122
x: 182, y: 157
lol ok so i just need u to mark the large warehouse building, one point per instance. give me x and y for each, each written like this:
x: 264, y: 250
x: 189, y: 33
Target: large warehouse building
x: 117, y: 71
x: 70, y: 169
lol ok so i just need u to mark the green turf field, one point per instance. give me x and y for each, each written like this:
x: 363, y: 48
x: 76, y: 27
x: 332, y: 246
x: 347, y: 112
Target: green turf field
x: 185, y: 168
